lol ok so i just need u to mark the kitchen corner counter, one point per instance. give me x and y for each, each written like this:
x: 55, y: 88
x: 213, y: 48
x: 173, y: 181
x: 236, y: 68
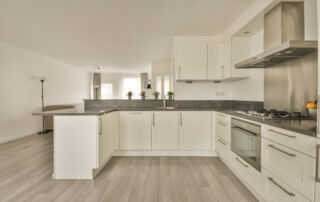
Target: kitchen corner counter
x: 306, y: 127
x: 79, y: 111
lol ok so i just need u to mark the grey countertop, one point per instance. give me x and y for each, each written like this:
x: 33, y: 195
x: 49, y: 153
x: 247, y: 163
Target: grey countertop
x: 306, y: 127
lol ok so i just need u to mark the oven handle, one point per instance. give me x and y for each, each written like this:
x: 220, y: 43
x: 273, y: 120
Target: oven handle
x: 244, y: 131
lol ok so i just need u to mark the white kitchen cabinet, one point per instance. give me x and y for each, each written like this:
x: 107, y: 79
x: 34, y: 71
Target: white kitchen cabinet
x: 75, y: 146
x: 302, y: 143
x: 213, y: 131
x: 223, y: 149
x: 135, y: 130
x: 234, y: 50
x: 214, y: 61
x: 165, y: 131
x: 223, y: 130
x: 191, y: 61
x: 106, y: 137
x: 276, y: 190
x: 195, y: 130
x: 226, y: 59
x: 290, y: 166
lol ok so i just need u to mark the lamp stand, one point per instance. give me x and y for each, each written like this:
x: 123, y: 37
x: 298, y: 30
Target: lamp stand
x: 43, y: 123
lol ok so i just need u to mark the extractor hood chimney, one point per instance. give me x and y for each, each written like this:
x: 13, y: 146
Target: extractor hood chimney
x: 283, y: 36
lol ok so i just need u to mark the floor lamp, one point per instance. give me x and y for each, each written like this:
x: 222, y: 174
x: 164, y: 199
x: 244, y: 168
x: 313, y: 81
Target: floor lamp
x: 42, y: 99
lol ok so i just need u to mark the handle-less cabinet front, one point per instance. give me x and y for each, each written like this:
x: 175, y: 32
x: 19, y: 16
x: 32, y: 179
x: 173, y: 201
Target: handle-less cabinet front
x: 135, y: 130
x: 165, y: 131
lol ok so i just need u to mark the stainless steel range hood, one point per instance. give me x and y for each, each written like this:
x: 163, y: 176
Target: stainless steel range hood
x: 283, y: 37
x: 285, y: 51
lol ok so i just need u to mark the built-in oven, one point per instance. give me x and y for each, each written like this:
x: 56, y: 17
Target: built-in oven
x: 246, y: 141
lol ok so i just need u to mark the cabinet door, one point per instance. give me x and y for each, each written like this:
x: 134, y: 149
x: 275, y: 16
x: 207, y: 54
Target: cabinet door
x: 223, y: 130
x: 226, y: 65
x: 165, y: 131
x: 106, y: 137
x: 215, y: 61
x: 195, y: 130
x: 135, y: 130
x: 192, y: 61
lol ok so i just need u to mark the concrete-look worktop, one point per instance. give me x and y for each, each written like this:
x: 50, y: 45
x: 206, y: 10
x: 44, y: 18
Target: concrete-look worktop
x: 306, y: 127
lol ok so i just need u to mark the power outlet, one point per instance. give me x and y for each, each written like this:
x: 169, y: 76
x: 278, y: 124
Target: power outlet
x: 219, y: 93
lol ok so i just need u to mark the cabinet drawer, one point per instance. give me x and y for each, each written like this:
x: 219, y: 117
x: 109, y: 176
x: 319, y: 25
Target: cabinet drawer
x: 276, y: 190
x: 296, y: 141
x: 223, y: 130
x: 291, y: 167
x: 246, y: 171
x: 223, y: 117
x: 223, y: 149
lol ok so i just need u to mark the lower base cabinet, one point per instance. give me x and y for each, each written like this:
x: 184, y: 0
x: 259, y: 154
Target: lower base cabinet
x: 277, y: 191
x: 135, y: 130
x: 165, y: 131
x: 106, y: 137
x: 195, y: 130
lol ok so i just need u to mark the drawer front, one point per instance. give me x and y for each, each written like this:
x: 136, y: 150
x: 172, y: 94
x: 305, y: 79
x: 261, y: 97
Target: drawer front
x: 246, y: 171
x: 276, y: 190
x: 292, y: 167
x: 223, y: 149
x: 223, y: 130
x: 296, y: 141
x: 223, y: 117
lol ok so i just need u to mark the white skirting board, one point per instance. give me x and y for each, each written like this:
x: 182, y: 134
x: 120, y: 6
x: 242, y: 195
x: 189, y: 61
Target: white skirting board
x: 164, y: 153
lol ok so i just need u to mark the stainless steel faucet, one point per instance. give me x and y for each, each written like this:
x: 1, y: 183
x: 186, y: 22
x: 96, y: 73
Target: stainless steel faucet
x: 164, y: 102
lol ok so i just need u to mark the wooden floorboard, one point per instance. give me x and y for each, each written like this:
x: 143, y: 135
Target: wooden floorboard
x: 26, y: 169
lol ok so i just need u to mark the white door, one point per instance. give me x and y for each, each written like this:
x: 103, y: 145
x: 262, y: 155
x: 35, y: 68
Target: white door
x: 106, y: 137
x: 135, y: 130
x: 192, y: 61
x: 215, y: 61
x: 226, y: 64
x: 165, y: 131
x: 195, y: 130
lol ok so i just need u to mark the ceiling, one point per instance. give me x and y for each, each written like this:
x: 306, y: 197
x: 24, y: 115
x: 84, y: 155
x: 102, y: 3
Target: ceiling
x: 117, y: 35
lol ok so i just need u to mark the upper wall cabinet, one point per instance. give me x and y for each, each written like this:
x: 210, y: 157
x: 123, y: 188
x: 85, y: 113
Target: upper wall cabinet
x: 192, y: 61
x: 215, y: 61
x: 234, y: 50
x: 206, y: 60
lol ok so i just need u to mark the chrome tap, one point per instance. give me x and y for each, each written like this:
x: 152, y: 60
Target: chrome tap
x: 164, y: 102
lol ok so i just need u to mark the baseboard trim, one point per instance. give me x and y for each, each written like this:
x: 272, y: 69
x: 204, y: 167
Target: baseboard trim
x: 25, y: 134
x: 164, y: 153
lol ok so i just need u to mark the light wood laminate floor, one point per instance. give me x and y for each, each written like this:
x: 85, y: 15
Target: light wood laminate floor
x: 26, y: 168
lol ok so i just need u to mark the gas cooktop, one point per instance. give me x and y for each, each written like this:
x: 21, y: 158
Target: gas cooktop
x: 273, y: 114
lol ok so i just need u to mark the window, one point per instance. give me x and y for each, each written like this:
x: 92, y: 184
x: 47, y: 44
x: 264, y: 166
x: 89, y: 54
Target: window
x: 106, y: 91
x: 166, y: 84
x: 131, y: 84
x: 158, y: 85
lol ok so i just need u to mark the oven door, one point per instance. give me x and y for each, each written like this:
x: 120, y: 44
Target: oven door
x: 247, y: 145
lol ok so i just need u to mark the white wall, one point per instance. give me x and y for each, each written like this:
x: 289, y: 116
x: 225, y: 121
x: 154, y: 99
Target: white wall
x: 21, y: 90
